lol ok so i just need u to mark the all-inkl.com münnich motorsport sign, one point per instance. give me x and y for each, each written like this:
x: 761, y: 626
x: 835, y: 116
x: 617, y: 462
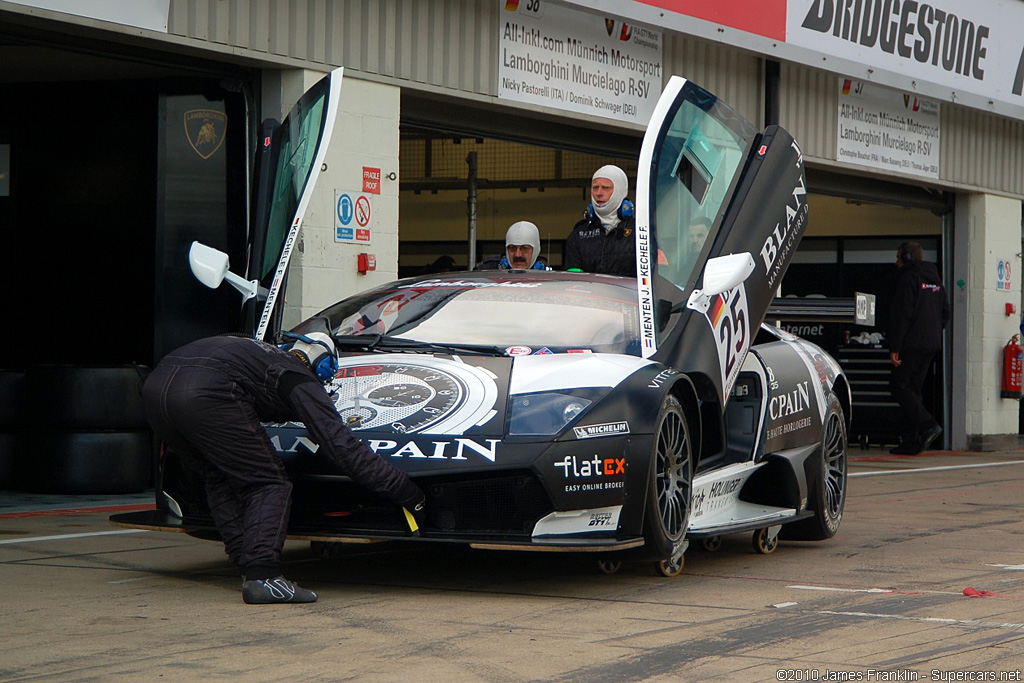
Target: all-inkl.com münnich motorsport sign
x: 559, y: 57
x: 887, y: 129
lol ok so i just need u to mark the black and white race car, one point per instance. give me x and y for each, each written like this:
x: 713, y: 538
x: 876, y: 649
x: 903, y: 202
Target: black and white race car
x: 577, y: 412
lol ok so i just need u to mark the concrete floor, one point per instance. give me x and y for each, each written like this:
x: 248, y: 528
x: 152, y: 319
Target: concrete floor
x: 85, y: 601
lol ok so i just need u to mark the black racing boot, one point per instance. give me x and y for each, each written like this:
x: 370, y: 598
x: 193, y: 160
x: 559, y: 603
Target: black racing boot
x: 270, y: 591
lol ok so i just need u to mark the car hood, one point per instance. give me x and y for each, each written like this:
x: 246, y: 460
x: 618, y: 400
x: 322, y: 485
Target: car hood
x: 420, y: 393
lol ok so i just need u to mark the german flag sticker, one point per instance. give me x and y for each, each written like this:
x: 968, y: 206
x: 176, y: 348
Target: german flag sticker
x: 511, y: 5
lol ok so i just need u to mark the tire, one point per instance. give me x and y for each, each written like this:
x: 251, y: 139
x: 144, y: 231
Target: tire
x: 12, y: 384
x: 670, y: 484
x: 827, y: 479
x: 78, y: 398
x: 89, y: 463
x: 9, y: 443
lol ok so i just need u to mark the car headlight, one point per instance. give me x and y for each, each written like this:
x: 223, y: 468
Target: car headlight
x: 547, y: 413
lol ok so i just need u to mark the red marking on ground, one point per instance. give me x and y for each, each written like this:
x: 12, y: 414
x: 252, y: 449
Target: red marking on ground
x: 886, y: 456
x: 79, y: 511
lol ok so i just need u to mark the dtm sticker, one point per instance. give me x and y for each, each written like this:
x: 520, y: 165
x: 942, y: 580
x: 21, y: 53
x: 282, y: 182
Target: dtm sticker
x: 607, y: 429
x: 564, y: 522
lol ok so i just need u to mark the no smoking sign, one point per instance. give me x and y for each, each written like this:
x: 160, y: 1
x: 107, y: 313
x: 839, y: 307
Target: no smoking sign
x: 353, y: 217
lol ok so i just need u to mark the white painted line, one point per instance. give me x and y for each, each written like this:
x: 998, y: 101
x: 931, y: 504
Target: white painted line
x: 141, y: 578
x: 931, y: 620
x: 1014, y: 567
x: 945, y: 468
x: 33, y: 539
x: 785, y: 604
x: 842, y: 590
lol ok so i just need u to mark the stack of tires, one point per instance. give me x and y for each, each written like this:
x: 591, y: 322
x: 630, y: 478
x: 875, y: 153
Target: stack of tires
x: 11, y: 401
x: 86, y: 432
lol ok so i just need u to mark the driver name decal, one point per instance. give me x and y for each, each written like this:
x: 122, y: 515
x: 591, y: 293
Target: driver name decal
x: 645, y: 292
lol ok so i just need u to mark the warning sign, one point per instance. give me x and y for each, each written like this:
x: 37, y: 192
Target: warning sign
x: 353, y: 217
x: 371, y: 180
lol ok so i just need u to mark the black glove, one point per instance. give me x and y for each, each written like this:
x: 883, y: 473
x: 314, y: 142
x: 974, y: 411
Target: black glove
x: 416, y: 514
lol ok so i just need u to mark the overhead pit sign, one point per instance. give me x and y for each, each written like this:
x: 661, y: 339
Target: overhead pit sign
x: 887, y: 130
x: 977, y: 47
x: 556, y: 56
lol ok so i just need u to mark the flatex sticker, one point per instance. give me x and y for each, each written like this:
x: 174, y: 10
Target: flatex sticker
x: 606, y: 429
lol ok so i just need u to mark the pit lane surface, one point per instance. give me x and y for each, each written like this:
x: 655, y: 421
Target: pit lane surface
x: 884, y: 600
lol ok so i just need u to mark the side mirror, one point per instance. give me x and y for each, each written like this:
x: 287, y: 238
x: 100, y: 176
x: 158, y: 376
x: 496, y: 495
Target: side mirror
x: 211, y: 267
x: 720, y: 275
x: 725, y: 272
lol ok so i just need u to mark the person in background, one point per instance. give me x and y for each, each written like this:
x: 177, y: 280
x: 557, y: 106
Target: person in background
x: 207, y: 400
x: 522, y: 250
x: 603, y: 241
x: 918, y: 315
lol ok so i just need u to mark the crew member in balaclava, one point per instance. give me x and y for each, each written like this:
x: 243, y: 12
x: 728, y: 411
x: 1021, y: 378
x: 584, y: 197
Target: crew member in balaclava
x: 603, y: 241
x: 522, y: 250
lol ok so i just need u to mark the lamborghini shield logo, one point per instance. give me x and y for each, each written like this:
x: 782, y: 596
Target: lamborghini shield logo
x: 204, y: 129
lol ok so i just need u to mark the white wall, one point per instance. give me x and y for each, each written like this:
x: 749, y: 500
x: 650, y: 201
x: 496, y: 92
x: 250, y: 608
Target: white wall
x: 993, y: 234
x: 323, y: 271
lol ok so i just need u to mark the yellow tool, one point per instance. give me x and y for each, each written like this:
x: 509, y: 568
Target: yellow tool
x: 413, y: 526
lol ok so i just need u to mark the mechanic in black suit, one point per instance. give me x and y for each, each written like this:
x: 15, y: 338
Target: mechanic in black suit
x: 918, y: 315
x: 206, y: 401
x: 603, y: 241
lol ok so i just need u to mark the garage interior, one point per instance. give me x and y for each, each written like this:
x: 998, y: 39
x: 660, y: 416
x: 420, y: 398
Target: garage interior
x: 100, y: 205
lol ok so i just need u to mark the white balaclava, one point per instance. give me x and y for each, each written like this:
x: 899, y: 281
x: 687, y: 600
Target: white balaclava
x: 607, y: 213
x: 524, y: 232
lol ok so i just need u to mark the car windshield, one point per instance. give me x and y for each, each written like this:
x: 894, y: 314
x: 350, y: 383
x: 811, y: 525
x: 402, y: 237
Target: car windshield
x: 696, y: 166
x: 540, y: 311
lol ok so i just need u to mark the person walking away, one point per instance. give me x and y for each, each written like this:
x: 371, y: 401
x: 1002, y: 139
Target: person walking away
x: 918, y: 315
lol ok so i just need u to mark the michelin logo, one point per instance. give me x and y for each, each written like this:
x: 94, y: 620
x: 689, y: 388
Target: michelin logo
x: 607, y: 429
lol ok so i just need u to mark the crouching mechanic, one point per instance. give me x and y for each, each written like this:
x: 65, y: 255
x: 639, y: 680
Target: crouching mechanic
x: 206, y: 402
x: 522, y: 249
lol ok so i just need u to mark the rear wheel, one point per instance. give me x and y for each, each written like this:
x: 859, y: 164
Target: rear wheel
x: 671, y: 482
x: 826, y: 481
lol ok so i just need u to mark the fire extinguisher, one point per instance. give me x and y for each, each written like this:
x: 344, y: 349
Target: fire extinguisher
x: 1013, y: 364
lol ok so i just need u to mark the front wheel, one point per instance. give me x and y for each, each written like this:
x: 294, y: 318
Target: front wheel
x: 826, y: 480
x: 669, y: 491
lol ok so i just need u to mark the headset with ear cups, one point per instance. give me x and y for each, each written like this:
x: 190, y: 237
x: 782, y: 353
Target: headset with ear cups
x: 326, y: 367
x: 625, y: 210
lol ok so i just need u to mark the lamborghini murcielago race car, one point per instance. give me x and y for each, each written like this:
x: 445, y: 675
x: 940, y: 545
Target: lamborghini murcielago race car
x: 545, y: 410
